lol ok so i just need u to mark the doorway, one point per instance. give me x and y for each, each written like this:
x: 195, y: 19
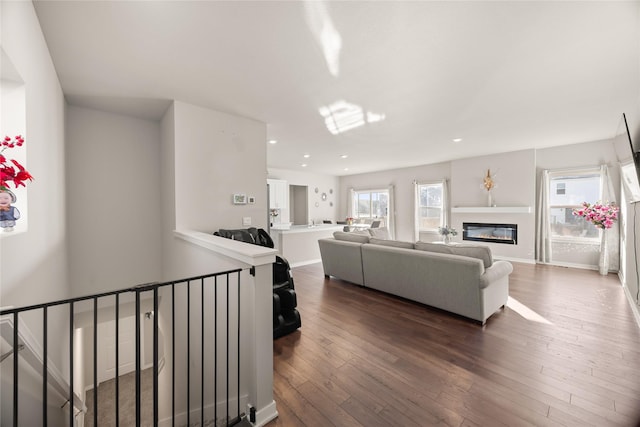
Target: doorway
x: 298, y: 204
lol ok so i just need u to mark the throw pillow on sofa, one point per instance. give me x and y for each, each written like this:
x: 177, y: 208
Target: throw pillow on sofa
x: 355, y: 236
x: 474, y: 251
x: 379, y: 233
x: 394, y: 243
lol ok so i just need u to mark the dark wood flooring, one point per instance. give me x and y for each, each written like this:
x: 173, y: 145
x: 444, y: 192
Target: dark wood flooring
x: 363, y: 358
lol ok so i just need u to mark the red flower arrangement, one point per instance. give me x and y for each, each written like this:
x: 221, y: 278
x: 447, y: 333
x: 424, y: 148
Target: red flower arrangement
x: 8, y: 172
x: 599, y: 214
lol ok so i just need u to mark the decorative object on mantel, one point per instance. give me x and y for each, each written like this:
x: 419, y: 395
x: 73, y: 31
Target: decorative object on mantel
x: 446, y: 232
x: 489, y: 184
x: 349, y: 221
x: 603, y: 216
x: 15, y: 173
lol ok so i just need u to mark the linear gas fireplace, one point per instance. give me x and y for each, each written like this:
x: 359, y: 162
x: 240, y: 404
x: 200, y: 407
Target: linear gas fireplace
x: 494, y: 233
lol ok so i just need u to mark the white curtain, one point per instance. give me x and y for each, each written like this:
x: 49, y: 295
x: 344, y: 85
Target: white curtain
x: 446, y: 208
x: 391, y: 219
x: 416, y: 211
x: 613, y: 234
x: 351, y: 197
x: 543, y: 228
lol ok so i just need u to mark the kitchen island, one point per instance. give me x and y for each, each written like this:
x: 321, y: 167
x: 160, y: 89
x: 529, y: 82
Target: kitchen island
x: 299, y: 243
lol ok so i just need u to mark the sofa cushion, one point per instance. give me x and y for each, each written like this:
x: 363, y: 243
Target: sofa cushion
x: 474, y: 251
x: 394, y: 243
x: 351, y: 236
x: 379, y: 233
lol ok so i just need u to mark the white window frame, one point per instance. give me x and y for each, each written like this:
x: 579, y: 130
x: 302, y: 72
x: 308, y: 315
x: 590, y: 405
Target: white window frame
x: 441, y: 207
x: 356, y: 199
x: 574, y: 173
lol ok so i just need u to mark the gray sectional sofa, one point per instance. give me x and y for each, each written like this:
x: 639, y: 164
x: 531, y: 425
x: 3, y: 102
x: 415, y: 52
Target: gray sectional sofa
x: 459, y: 278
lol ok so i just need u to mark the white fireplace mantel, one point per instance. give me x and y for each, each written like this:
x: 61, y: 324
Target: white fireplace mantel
x: 492, y: 209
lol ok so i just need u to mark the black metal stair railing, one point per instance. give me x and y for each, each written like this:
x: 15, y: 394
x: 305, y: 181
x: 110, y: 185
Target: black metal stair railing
x: 226, y: 283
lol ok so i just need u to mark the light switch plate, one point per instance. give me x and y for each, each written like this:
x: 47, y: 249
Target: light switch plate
x: 246, y: 220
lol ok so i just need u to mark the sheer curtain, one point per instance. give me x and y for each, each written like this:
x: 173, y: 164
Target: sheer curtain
x: 351, y: 197
x: 391, y: 219
x: 416, y: 211
x: 612, y: 234
x: 543, y: 228
x: 446, y: 208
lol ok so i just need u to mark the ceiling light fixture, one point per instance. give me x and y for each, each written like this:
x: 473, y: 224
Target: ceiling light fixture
x: 457, y: 139
x: 304, y: 165
x: 306, y: 156
x: 344, y: 156
x: 273, y: 141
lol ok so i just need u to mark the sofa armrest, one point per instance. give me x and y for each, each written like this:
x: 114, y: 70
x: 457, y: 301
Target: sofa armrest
x: 498, y: 270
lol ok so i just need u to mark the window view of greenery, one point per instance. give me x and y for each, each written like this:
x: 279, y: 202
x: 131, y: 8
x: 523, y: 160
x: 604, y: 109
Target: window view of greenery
x: 372, y: 204
x: 566, y: 193
x: 430, y: 206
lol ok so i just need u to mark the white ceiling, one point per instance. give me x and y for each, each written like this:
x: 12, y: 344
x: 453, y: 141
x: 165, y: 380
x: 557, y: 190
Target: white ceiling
x: 501, y: 75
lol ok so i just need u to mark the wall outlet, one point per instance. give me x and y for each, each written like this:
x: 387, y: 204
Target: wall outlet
x: 246, y: 220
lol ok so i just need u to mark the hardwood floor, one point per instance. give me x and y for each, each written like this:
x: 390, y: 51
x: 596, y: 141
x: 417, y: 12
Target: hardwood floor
x: 363, y: 358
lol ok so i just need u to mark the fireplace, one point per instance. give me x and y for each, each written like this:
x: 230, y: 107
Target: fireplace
x: 493, y: 233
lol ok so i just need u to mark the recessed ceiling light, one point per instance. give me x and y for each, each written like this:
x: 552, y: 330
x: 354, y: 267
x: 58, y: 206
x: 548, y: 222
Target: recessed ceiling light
x: 346, y: 169
x: 344, y: 156
x: 457, y: 139
x: 304, y: 165
x: 306, y: 156
x: 273, y: 141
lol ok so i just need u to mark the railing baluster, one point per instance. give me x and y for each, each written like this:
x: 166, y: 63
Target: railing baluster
x: 188, y: 353
x: 155, y: 356
x: 117, y: 384
x: 15, y: 369
x: 238, y: 399
x: 215, y: 350
x: 173, y: 355
x: 202, y: 352
x: 138, y: 388
x: 95, y: 361
x: 71, y: 418
x: 44, y: 366
x: 227, y: 348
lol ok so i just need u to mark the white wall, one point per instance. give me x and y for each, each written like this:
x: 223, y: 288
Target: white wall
x: 33, y: 264
x: 324, y: 184
x: 217, y: 155
x: 402, y: 179
x: 113, y: 172
x: 206, y: 157
x: 514, y: 177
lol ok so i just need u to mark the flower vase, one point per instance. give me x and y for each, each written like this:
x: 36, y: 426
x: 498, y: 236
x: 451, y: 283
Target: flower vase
x: 603, y: 263
x: 489, y: 199
x: 446, y: 239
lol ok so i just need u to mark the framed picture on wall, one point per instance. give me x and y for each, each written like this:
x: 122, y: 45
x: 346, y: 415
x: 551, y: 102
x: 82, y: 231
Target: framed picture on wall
x: 239, y: 199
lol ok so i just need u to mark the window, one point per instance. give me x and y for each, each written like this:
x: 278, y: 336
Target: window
x: 371, y: 204
x: 568, y: 191
x: 430, y: 206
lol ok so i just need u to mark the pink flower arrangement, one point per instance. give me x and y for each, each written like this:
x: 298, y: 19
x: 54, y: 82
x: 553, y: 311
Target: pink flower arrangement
x: 599, y: 214
x: 8, y: 172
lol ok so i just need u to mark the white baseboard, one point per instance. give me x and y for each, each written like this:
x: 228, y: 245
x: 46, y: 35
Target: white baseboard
x: 264, y: 415
x: 511, y: 259
x: 634, y: 307
x: 209, y: 412
x: 301, y: 263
